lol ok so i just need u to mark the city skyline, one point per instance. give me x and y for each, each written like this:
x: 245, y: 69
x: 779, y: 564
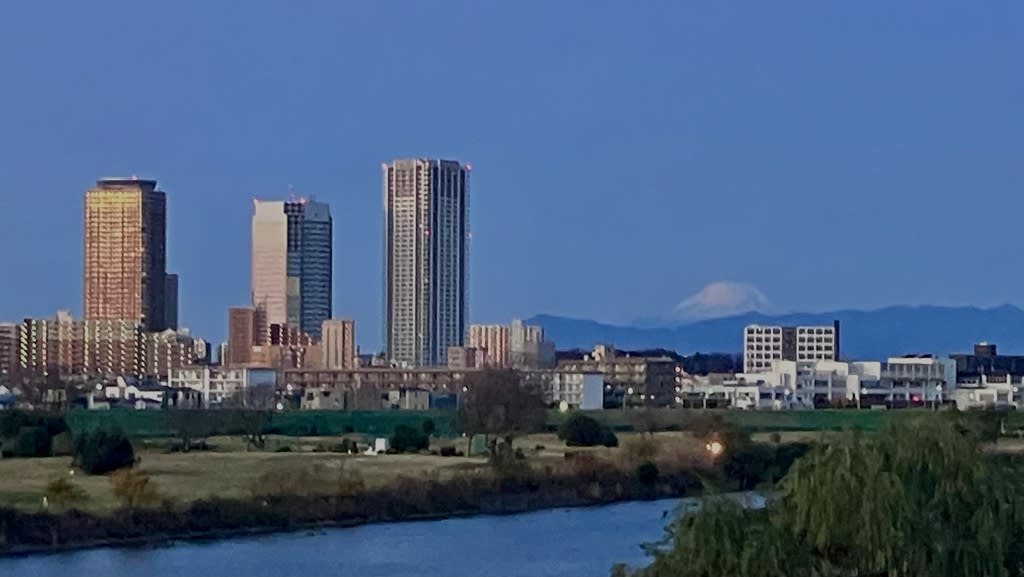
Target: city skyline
x: 742, y: 149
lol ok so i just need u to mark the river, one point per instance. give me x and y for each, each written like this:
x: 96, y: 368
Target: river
x: 586, y: 541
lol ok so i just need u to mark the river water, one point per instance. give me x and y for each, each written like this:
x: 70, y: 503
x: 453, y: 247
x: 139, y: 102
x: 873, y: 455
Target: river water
x: 586, y: 541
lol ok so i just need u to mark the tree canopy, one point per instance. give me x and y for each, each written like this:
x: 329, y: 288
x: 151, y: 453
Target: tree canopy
x: 922, y: 498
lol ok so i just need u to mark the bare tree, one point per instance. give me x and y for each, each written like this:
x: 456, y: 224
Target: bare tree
x: 499, y: 404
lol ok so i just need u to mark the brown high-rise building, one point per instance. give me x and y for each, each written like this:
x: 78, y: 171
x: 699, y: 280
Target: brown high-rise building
x: 125, y: 253
x: 242, y: 327
x: 338, y: 344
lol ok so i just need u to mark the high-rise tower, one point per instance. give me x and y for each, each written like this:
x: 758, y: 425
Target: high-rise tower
x: 125, y: 275
x: 426, y: 229
x: 292, y: 263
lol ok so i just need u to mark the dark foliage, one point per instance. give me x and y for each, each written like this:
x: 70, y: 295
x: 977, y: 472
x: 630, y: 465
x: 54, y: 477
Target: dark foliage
x: 647, y: 474
x: 407, y: 439
x: 582, y: 430
x: 101, y: 452
x: 30, y: 442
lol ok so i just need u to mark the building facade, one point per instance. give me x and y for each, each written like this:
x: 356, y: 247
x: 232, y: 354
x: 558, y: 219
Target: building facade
x: 125, y: 272
x: 364, y: 389
x: 630, y: 381
x: 250, y: 388
x: 292, y: 263
x: 465, y: 358
x: 242, y: 331
x: 515, y: 345
x: 67, y: 348
x: 338, y: 344
x: 8, y: 352
x: 764, y: 344
x: 493, y: 342
x: 426, y: 245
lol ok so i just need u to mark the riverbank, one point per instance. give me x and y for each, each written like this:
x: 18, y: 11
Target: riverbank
x: 23, y: 534
x: 552, y: 542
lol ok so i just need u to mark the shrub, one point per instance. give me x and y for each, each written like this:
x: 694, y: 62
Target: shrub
x: 585, y: 431
x: 134, y: 489
x: 30, y: 442
x: 101, y: 452
x: 65, y: 494
x: 447, y: 451
x: 429, y: 428
x: 647, y: 474
x: 284, y: 449
x: 407, y: 439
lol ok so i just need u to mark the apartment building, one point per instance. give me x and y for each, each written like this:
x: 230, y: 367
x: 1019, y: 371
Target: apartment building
x: 362, y: 389
x: 338, y: 344
x: 631, y: 381
x: 68, y: 348
x: 228, y: 387
x: 493, y: 342
x: 125, y: 238
x: 763, y: 345
x: 426, y: 248
x: 8, y: 351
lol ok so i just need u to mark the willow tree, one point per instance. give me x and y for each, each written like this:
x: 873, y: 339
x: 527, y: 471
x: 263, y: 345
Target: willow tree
x: 921, y: 498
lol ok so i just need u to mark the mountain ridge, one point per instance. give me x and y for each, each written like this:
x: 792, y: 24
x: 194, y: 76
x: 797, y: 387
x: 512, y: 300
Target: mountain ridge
x: 864, y: 334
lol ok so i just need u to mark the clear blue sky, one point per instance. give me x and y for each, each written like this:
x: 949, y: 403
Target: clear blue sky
x: 833, y: 154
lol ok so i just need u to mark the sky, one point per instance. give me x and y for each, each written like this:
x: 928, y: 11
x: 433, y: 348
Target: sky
x: 625, y: 154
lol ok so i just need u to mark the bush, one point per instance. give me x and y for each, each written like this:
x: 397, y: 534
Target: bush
x: 407, y: 439
x: 585, y: 431
x: 647, y: 474
x: 134, y: 489
x: 284, y: 449
x: 101, y: 452
x: 447, y: 451
x: 30, y: 442
x: 64, y: 494
x: 429, y: 428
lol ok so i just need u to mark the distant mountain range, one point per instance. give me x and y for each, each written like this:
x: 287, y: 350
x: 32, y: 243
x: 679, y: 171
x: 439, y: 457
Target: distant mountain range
x: 873, y: 334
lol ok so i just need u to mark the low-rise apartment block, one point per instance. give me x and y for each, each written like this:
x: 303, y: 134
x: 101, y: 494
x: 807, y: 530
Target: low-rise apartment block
x: 252, y: 388
x: 68, y: 348
x: 804, y: 344
x: 629, y: 380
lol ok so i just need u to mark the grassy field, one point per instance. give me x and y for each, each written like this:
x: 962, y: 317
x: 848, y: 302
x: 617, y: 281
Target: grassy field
x: 231, y: 471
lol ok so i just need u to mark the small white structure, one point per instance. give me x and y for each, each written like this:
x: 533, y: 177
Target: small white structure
x: 380, y: 445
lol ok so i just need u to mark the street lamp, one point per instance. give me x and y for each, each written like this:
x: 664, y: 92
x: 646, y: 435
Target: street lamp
x: 938, y: 396
x: 625, y: 395
x: 861, y: 394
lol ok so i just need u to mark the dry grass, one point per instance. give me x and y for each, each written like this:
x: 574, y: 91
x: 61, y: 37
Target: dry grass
x: 231, y: 471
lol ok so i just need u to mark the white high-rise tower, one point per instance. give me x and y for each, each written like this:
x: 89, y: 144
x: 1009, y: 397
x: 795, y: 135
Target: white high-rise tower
x: 426, y: 235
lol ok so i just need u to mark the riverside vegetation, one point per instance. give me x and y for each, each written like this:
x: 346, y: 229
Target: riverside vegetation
x: 926, y: 497
x: 330, y: 487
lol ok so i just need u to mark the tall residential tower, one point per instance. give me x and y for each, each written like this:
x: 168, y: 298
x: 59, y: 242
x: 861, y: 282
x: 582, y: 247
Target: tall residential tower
x: 426, y: 234
x: 126, y: 256
x: 292, y: 264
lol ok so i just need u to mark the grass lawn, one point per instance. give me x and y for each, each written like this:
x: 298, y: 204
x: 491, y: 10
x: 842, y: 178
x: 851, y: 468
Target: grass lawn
x: 230, y: 471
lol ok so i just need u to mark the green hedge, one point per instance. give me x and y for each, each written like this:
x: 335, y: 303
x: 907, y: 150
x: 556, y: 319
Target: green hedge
x: 155, y: 424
